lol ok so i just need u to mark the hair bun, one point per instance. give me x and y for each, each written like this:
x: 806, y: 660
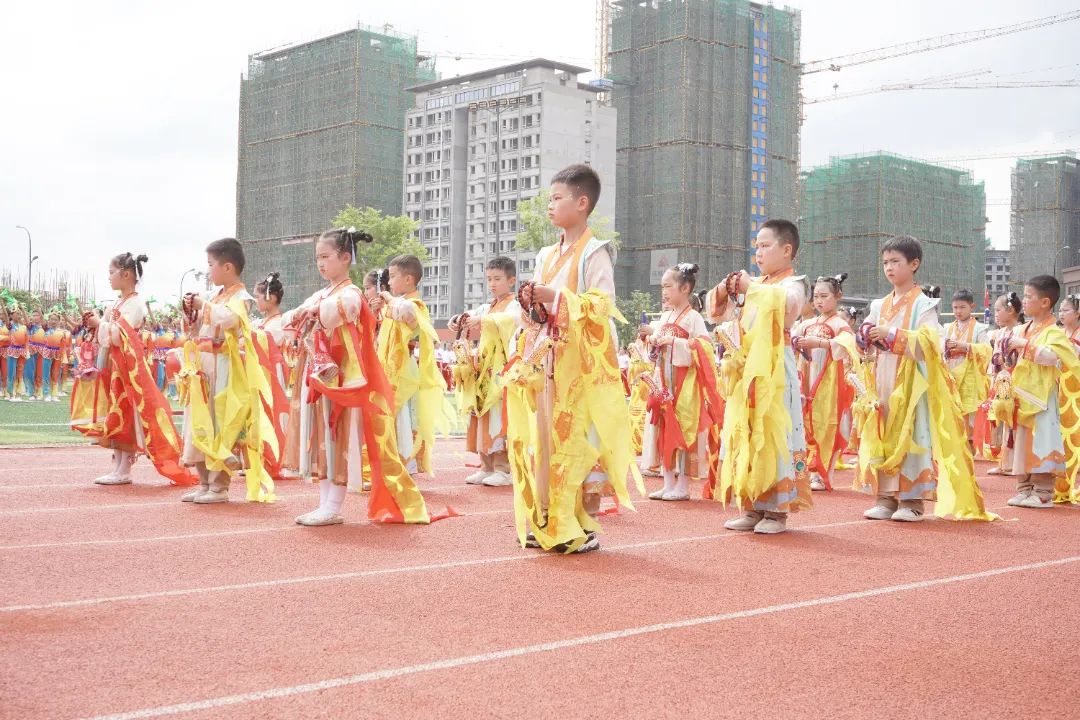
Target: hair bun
x: 841, y: 278
x: 352, y: 235
x: 142, y: 259
x: 687, y: 268
x: 932, y: 291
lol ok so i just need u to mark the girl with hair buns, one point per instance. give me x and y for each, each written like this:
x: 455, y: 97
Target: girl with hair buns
x: 349, y: 403
x: 1008, y: 314
x: 684, y: 403
x: 268, y: 335
x: 116, y: 400
x: 827, y: 394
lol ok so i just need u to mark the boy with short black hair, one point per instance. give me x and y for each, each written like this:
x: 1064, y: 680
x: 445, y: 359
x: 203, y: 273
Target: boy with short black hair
x: 567, y: 426
x: 476, y: 379
x: 967, y: 353
x: 763, y: 453
x: 216, y: 423
x: 1045, y: 353
x: 915, y: 441
x: 419, y: 387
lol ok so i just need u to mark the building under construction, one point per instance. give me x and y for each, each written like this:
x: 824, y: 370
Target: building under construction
x: 321, y: 126
x: 707, y: 94
x: 852, y: 206
x: 1045, y: 232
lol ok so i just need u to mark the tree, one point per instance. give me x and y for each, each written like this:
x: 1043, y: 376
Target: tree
x: 537, y: 231
x: 631, y: 309
x: 393, y: 235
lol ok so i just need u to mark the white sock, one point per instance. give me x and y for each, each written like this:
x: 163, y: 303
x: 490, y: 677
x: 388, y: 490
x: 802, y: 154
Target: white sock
x: 682, y: 487
x: 324, y: 490
x: 334, y: 498
x: 669, y: 480
x: 123, y: 464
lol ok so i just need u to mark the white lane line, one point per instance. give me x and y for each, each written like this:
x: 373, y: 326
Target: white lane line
x: 180, y: 490
x: 192, y: 536
x: 70, y: 486
x: 357, y: 574
x: 580, y: 641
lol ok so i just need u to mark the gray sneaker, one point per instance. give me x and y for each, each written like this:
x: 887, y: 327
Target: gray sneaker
x: 771, y: 524
x: 746, y: 522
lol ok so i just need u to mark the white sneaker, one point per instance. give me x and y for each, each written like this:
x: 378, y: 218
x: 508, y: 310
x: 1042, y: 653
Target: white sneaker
x: 885, y: 508
x: 190, y: 495
x: 16, y: 399
x: 657, y: 494
x: 114, y: 480
x: 906, y: 514
x: 319, y: 517
x: 478, y: 477
x: 816, y: 483
x: 498, y: 479
x: 675, y: 495
x: 1018, y: 499
x: 211, y: 497
x: 1035, y: 501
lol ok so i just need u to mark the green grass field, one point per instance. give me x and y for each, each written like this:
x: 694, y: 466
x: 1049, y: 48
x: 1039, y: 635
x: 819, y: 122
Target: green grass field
x: 36, y: 423
x: 41, y: 423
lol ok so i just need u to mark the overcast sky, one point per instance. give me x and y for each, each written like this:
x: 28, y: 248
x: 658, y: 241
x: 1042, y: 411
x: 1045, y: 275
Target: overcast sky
x: 120, y: 118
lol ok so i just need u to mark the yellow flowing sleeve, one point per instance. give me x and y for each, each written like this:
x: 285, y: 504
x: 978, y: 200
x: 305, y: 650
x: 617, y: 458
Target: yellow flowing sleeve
x: 755, y: 419
x: 958, y: 493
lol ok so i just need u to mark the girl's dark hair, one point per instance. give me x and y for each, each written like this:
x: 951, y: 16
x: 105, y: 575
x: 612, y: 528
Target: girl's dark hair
x: 346, y: 239
x: 836, y: 282
x: 379, y: 278
x: 931, y: 291
x: 1073, y: 300
x: 127, y: 261
x: 1013, y: 300
x: 906, y: 245
x: 272, y: 286
x: 687, y: 273
x: 851, y: 312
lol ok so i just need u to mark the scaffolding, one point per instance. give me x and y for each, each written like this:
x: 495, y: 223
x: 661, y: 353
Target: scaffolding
x: 321, y: 126
x: 1045, y: 216
x: 853, y: 205
x: 705, y: 91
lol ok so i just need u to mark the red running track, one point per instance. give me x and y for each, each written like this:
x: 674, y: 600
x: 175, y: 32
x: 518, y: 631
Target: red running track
x: 123, y: 602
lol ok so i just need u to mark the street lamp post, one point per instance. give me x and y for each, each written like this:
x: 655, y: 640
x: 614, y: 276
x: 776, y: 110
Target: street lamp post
x: 30, y: 254
x: 182, y: 279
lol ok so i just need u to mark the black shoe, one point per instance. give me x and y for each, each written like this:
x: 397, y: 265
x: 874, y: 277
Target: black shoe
x: 592, y: 542
x: 531, y: 541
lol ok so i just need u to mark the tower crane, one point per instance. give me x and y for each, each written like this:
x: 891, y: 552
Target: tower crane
x: 839, y: 62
